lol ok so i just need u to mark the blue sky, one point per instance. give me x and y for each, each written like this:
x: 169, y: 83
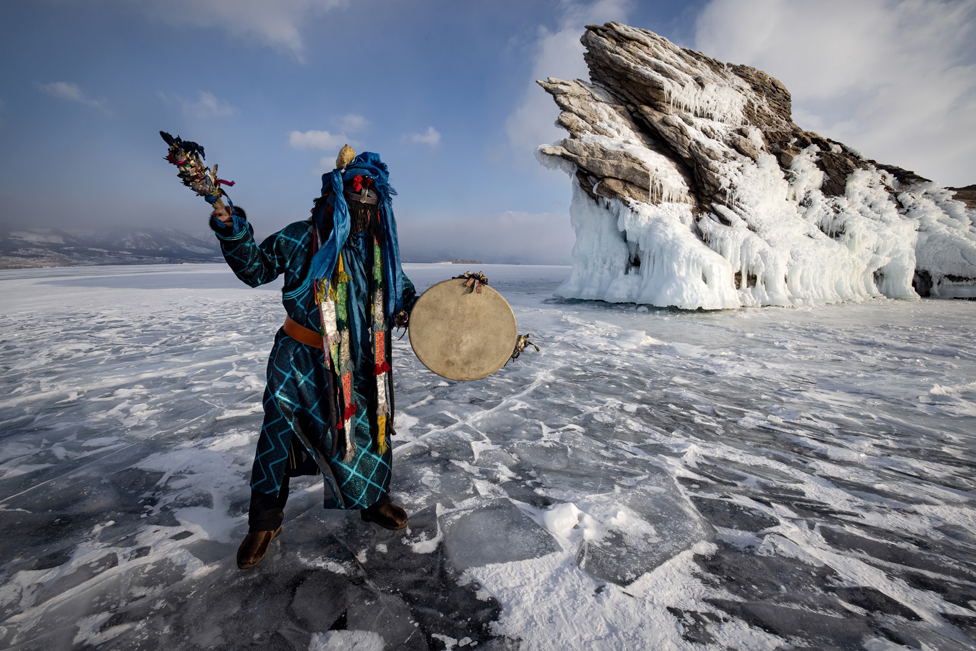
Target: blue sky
x: 442, y: 90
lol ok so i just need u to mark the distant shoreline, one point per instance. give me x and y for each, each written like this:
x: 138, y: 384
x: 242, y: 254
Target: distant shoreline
x: 58, y: 264
x: 6, y: 265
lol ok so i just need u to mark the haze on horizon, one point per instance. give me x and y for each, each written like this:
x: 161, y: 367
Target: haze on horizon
x: 444, y: 92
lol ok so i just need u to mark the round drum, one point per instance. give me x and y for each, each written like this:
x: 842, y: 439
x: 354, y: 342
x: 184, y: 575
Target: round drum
x: 461, y: 334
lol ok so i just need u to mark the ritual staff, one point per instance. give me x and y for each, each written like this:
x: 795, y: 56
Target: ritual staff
x: 328, y: 405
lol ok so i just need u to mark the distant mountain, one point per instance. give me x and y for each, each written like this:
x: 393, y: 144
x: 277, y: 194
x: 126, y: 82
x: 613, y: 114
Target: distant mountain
x: 48, y: 247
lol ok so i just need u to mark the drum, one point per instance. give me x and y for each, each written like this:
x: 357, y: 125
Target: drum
x: 462, y: 334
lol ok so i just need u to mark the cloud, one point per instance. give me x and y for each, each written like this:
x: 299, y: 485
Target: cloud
x: 206, y: 106
x: 895, y: 79
x: 557, y: 54
x: 506, y: 238
x: 271, y: 23
x: 327, y: 141
x: 70, y: 92
x: 430, y: 137
x: 318, y: 140
x: 351, y: 123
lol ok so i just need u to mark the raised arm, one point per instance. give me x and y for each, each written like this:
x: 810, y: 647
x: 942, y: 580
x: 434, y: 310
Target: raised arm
x: 253, y: 263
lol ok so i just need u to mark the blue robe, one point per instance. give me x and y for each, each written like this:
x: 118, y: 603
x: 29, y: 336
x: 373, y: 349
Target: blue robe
x: 296, y: 392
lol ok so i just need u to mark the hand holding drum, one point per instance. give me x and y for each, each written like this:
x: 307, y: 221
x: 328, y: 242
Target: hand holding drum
x: 461, y: 329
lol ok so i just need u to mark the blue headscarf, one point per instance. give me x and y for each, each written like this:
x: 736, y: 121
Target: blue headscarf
x: 325, y: 260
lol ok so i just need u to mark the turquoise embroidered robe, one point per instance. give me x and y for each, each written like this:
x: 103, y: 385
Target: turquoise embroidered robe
x: 297, y: 376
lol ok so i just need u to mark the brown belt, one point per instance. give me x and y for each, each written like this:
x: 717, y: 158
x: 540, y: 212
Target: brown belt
x: 302, y: 334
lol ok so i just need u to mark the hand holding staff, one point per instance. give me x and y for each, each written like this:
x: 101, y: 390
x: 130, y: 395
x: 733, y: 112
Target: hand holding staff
x: 188, y: 157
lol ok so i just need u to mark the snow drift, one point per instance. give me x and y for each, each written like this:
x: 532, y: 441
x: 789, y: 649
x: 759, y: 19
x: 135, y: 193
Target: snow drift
x: 692, y: 187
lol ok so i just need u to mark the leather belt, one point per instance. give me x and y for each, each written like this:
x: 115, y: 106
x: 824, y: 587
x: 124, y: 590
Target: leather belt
x: 302, y: 334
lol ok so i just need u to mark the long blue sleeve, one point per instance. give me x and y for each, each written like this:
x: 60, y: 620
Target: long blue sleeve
x: 257, y: 264
x: 409, y: 294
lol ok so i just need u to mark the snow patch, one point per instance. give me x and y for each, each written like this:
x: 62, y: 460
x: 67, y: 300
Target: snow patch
x: 346, y: 641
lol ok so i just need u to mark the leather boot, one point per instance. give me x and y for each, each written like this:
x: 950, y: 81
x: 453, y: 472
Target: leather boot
x: 255, y: 546
x: 386, y: 514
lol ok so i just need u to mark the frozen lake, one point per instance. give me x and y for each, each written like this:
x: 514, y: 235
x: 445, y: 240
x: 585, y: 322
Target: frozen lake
x: 753, y: 479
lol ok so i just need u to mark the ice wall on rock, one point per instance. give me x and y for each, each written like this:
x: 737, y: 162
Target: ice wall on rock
x: 692, y: 187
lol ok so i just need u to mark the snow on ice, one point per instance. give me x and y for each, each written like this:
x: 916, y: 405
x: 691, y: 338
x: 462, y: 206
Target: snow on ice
x: 652, y: 479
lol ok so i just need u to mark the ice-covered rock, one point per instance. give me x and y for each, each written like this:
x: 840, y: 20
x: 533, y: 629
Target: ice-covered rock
x: 692, y: 187
x: 967, y: 195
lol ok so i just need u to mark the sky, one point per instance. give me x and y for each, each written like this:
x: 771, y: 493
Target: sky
x: 443, y: 91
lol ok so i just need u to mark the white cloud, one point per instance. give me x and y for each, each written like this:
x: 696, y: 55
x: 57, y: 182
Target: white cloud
x: 327, y: 141
x: 206, y: 106
x: 71, y: 92
x: 430, y: 137
x: 318, y: 140
x: 351, y: 123
x: 557, y: 54
x: 271, y: 23
x: 895, y: 79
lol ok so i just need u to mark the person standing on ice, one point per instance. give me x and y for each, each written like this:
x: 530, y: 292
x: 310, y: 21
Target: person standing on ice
x: 328, y: 405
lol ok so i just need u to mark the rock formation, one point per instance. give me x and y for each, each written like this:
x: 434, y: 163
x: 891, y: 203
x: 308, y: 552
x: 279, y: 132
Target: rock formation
x: 967, y: 195
x: 694, y: 188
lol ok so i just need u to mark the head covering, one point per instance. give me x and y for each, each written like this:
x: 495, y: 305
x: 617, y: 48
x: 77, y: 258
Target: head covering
x: 324, y: 262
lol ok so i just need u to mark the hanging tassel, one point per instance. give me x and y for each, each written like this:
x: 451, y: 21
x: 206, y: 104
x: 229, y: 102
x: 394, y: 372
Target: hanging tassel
x: 343, y: 360
x: 347, y: 391
x: 382, y: 447
x: 382, y: 411
x: 380, y: 353
x: 350, y: 443
x: 342, y: 276
x: 381, y: 367
x: 321, y: 291
x: 327, y: 315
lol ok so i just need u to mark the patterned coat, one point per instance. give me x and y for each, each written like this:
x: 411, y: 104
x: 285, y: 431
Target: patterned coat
x: 295, y: 398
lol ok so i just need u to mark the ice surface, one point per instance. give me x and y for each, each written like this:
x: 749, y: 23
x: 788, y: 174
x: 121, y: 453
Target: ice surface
x: 347, y: 640
x: 497, y: 532
x: 636, y: 528
x: 650, y: 479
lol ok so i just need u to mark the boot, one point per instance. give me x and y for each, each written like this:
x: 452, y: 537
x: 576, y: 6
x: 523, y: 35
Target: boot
x: 255, y: 546
x: 386, y: 514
